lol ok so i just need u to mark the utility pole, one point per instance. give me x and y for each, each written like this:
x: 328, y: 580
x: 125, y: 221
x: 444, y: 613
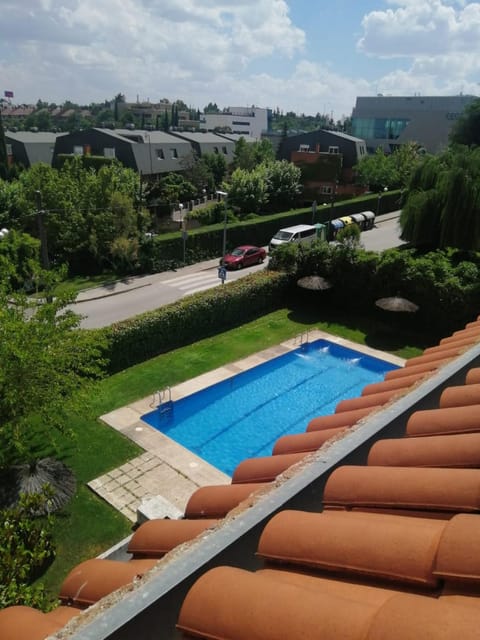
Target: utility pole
x: 41, y: 231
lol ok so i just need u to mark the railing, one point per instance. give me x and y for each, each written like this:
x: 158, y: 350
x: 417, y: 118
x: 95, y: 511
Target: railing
x: 302, y: 338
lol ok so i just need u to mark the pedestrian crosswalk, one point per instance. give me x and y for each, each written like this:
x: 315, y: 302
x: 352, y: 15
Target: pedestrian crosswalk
x: 194, y: 282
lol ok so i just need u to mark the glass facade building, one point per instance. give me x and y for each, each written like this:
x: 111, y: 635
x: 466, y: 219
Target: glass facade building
x: 390, y: 121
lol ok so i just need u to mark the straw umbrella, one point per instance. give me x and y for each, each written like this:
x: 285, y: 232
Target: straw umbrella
x: 397, y: 304
x: 314, y: 283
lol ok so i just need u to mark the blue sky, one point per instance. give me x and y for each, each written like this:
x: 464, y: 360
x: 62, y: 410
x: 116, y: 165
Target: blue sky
x: 306, y: 56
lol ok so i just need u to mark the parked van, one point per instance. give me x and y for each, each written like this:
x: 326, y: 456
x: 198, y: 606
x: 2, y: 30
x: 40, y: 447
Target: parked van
x: 298, y: 233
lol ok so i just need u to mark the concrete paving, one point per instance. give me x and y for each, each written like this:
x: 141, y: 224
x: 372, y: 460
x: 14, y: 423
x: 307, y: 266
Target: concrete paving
x: 166, y: 469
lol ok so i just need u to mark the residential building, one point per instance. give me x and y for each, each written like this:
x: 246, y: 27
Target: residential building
x: 247, y: 121
x: 205, y: 142
x: 29, y: 147
x: 148, y: 152
x: 390, y: 121
x: 151, y: 114
x: 327, y: 159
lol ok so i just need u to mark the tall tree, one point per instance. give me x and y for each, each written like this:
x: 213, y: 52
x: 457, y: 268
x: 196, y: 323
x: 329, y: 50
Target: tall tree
x: 442, y: 208
x: 3, y: 152
x: 466, y: 129
x: 46, y: 361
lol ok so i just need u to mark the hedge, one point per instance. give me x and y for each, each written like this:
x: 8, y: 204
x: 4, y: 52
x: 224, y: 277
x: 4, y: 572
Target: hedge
x: 167, y: 249
x: 193, y: 318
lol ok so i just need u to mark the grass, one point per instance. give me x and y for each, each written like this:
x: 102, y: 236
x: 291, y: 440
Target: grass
x: 89, y: 526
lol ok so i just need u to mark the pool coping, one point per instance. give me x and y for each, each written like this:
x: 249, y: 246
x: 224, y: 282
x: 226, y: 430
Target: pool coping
x: 160, y: 481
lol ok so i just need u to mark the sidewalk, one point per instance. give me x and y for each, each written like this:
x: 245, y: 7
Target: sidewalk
x: 137, y: 282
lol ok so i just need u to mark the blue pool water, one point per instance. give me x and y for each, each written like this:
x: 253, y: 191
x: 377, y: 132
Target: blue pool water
x: 242, y: 417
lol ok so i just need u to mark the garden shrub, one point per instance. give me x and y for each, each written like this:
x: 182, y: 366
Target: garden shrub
x: 26, y: 549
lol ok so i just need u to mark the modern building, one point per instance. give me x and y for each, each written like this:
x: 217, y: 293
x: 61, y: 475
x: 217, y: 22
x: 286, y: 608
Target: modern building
x: 28, y: 147
x: 327, y: 159
x: 248, y: 121
x: 390, y: 121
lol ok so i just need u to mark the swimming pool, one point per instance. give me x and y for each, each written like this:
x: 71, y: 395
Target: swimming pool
x: 243, y: 416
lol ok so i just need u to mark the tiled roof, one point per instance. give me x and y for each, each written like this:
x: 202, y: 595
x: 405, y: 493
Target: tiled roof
x: 391, y: 550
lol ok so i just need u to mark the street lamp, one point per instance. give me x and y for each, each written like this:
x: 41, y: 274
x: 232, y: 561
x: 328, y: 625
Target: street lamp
x: 380, y: 194
x: 183, y: 220
x: 41, y: 231
x: 223, y: 195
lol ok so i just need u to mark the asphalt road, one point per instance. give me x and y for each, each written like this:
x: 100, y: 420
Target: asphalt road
x: 105, y: 305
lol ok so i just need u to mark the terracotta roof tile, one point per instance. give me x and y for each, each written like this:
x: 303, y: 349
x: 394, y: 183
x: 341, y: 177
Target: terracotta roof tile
x: 403, y: 522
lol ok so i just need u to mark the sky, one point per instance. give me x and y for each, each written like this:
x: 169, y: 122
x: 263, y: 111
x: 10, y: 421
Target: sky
x: 306, y: 56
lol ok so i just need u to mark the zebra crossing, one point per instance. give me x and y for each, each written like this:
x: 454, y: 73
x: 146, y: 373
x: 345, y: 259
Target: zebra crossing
x: 194, y: 282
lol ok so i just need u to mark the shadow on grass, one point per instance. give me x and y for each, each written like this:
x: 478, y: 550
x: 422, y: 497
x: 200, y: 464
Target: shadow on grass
x: 379, y: 330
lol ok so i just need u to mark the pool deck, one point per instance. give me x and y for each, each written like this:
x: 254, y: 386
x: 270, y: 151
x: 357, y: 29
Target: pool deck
x: 161, y: 480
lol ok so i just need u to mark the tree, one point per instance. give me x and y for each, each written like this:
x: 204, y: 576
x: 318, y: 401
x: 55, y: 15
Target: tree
x: 19, y: 260
x: 247, y: 191
x: 250, y: 155
x: 3, y: 153
x: 377, y: 171
x: 211, y: 108
x: 216, y: 166
x: 442, y: 208
x: 282, y: 184
x: 466, y: 129
x: 46, y: 362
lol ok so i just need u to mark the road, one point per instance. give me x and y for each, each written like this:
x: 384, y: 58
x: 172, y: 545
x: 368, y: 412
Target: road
x: 105, y: 305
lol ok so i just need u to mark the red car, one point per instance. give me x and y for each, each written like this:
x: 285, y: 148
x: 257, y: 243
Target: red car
x: 244, y: 256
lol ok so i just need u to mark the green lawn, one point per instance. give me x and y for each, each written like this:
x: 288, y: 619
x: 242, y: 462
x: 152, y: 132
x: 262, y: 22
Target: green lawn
x: 89, y: 526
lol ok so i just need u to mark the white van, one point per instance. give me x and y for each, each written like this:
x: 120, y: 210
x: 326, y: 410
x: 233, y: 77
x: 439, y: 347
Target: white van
x: 298, y: 233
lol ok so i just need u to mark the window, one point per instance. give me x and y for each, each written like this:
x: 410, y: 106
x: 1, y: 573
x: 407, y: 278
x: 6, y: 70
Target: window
x: 304, y: 148
x: 378, y: 128
x: 333, y: 149
x: 326, y: 189
x: 9, y: 149
x: 215, y: 149
x: 224, y: 149
x: 78, y: 150
x: 160, y: 154
x: 109, y: 152
x: 174, y: 153
x: 307, y: 233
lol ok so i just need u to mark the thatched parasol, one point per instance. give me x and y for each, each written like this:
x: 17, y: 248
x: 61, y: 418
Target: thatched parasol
x: 31, y: 479
x: 396, y: 303
x: 314, y: 283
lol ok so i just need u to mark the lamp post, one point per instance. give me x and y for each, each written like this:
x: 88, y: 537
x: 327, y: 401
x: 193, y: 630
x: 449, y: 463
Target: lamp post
x: 41, y: 231
x: 223, y: 196
x: 183, y: 220
x: 380, y: 194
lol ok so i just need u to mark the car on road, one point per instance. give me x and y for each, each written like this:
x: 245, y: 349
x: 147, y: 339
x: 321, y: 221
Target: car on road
x: 243, y: 256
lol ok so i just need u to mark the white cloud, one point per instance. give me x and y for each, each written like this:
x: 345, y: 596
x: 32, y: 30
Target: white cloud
x: 157, y: 48
x: 232, y: 53
x: 422, y: 28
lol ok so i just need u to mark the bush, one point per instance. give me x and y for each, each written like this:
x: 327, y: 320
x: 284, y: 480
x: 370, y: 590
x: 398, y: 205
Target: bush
x: 25, y: 550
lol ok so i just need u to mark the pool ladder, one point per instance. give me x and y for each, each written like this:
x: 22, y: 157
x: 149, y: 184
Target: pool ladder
x: 302, y: 338
x: 165, y: 403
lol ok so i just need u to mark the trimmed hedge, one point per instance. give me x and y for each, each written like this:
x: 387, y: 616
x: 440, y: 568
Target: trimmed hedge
x: 206, y: 242
x: 193, y: 318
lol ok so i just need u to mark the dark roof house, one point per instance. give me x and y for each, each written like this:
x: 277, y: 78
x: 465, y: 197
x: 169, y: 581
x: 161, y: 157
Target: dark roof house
x: 29, y: 147
x: 148, y: 152
x: 365, y: 527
